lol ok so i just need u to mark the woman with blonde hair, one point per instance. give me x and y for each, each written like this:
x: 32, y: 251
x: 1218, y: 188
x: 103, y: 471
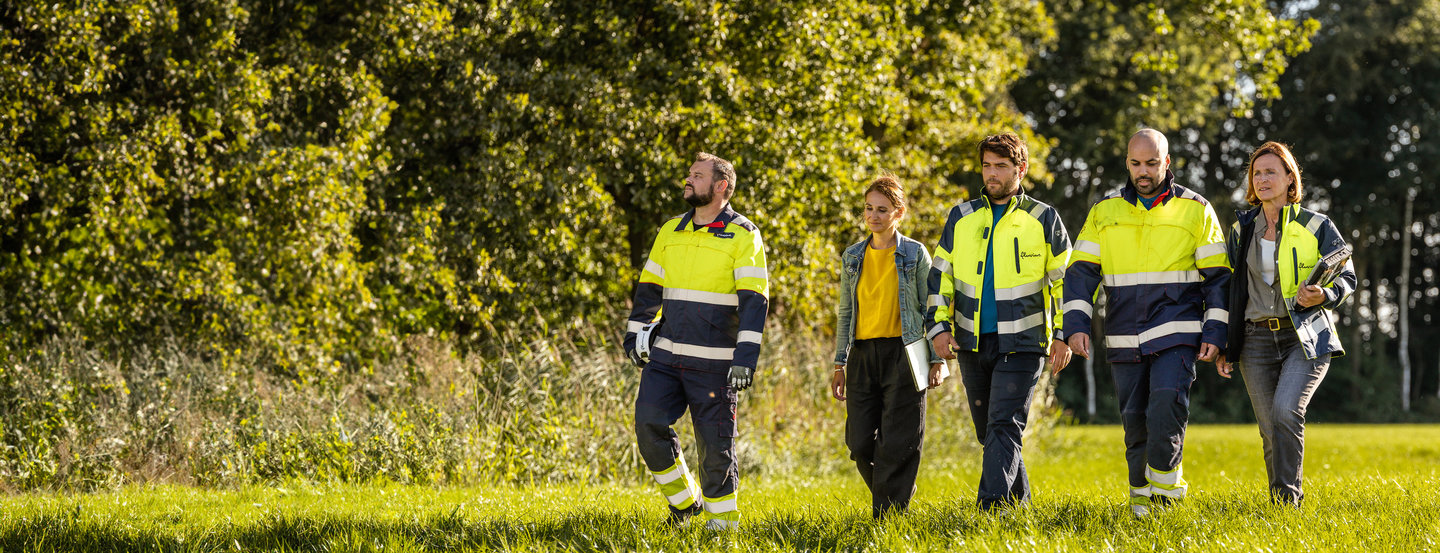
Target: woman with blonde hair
x: 1281, y: 332
x: 881, y: 309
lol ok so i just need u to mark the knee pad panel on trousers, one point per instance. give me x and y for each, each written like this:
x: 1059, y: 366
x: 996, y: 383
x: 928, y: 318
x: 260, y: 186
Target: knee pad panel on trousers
x: 659, y: 445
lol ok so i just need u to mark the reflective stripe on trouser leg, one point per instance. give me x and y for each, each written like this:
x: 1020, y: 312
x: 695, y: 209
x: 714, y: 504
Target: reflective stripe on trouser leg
x: 1140, y: 500
x: 724, y: 512
x: 1169, y: 484
x: 677, y: 485
x: 1140, y: 495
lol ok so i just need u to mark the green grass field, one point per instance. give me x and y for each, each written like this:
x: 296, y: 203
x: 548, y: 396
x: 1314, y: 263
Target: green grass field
x: 1374, y: 488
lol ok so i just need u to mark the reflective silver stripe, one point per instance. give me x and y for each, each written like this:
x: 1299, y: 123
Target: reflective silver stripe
x: 965, y: 209
x: 935, y: 330
x: 654, y: 268
x: 1016, y: 327
x: 634, y: 326
x: 1122, y: 341
x: 1056, y: 274
x: 712, y: 298
x: 1160, y: 277
x: 751, y: 272
x: 943, y: 265
x: 702, y: 352
x: 936, y: 300
x: 964, y: 323
x: 1217, y: 314
x: 1142, y: 491
x: 1314, y: 225
x: 1036, y: 211
x: 1172, y: 327
x: 748, y: 336
x: 1081, y: 306
x: 1208, y: 250
x: 1017, y: 292
x: 717, y: 507
x: 1088, y: 247
x: 965, y: 288
x: 1170, y: 479
x: 675, y: 473
x: 679, y: 498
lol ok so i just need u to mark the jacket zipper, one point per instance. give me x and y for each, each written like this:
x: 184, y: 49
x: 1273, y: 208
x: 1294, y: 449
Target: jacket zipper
x: 1295, y: 268
x: 1017, y: 255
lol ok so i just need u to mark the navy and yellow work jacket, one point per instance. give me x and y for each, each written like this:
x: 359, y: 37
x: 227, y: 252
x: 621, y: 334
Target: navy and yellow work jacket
x: 1030, y: 250
x: 1164, y: 271
x: 1305, y: 236
x: 709, y: 287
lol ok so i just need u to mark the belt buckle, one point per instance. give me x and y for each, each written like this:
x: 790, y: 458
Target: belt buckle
x: 1273, y: 323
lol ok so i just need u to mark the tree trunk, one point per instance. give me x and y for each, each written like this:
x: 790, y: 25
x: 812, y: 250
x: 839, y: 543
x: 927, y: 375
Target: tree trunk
x: 1404, y: 299
x: 1357, y: 322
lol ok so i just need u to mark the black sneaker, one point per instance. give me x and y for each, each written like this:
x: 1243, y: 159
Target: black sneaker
x: 678, y: 517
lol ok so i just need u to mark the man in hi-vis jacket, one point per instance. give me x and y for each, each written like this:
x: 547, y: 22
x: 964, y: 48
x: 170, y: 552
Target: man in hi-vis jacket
x: 997, y: 284
x: 1160, y: 252
x: 706, y: 284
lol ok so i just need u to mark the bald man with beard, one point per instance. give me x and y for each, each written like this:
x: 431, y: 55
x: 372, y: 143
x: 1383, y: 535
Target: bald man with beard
x: 1159, y: 250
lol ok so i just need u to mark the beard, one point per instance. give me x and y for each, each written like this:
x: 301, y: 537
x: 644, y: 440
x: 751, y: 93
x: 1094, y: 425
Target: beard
x: 1005, y: 192
x: 695, y: 199
x: 1146, y: 186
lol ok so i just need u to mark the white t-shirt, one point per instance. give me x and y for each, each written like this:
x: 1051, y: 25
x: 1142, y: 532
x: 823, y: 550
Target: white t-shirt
x: 1267, y: 261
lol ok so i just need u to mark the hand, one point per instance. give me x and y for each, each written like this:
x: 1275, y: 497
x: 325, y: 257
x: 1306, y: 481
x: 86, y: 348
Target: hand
x: 1310, y: 295
x: 635, y: 357
x: 740, y: 377
x: 1059, y: 356
x: 1208, y: 351
x: 1079, y: 343
x: 837, y: 383
x: 1222, y: 366
x: 945, y: 345
x: 935, y: 369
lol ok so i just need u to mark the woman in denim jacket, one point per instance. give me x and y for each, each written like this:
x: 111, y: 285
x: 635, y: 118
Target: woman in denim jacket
x: 1281, y: 334
x: 882, y: 308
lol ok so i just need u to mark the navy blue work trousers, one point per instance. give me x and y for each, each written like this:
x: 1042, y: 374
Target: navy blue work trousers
x: 665, y: 394
x: 1000, y: 386
x: 1154, y: 397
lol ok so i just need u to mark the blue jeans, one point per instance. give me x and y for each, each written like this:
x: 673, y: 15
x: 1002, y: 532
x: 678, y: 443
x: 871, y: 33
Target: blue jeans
x: 1281, y: 382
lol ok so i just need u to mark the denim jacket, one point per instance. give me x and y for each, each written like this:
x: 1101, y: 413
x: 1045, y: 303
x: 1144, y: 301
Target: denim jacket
x: 912, y: 266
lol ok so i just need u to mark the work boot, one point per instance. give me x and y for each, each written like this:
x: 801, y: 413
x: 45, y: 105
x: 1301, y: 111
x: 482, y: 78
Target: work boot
x: 720, y: 525
x: 679, y: 517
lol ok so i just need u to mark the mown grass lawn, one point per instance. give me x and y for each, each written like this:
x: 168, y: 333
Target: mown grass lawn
x: 1374, y: 488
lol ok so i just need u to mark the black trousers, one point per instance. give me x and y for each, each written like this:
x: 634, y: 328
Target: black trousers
x: 885, y: 421
x: 1000, y: 387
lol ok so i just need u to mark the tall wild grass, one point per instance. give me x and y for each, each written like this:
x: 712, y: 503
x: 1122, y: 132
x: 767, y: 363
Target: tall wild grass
x: 529, y: 409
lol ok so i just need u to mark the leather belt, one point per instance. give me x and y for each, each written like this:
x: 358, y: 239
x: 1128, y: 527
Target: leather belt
x: 1272, y: 324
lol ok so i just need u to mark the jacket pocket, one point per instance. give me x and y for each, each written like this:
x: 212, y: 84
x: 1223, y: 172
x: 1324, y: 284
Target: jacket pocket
x: 1295, y: 267
x: 1017, y: 255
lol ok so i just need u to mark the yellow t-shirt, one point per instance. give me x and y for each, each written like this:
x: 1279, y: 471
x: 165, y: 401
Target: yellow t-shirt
x: 877, y: 297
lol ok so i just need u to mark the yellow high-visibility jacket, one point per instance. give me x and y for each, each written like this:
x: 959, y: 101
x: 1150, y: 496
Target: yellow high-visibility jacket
x: 1164, y: 271
x: 1030, y: 249
x: 713, y: 285
x: 1305, y: 236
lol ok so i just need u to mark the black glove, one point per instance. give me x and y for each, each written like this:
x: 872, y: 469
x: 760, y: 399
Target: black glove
x: 740, y: 377
x: 635, y: 357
